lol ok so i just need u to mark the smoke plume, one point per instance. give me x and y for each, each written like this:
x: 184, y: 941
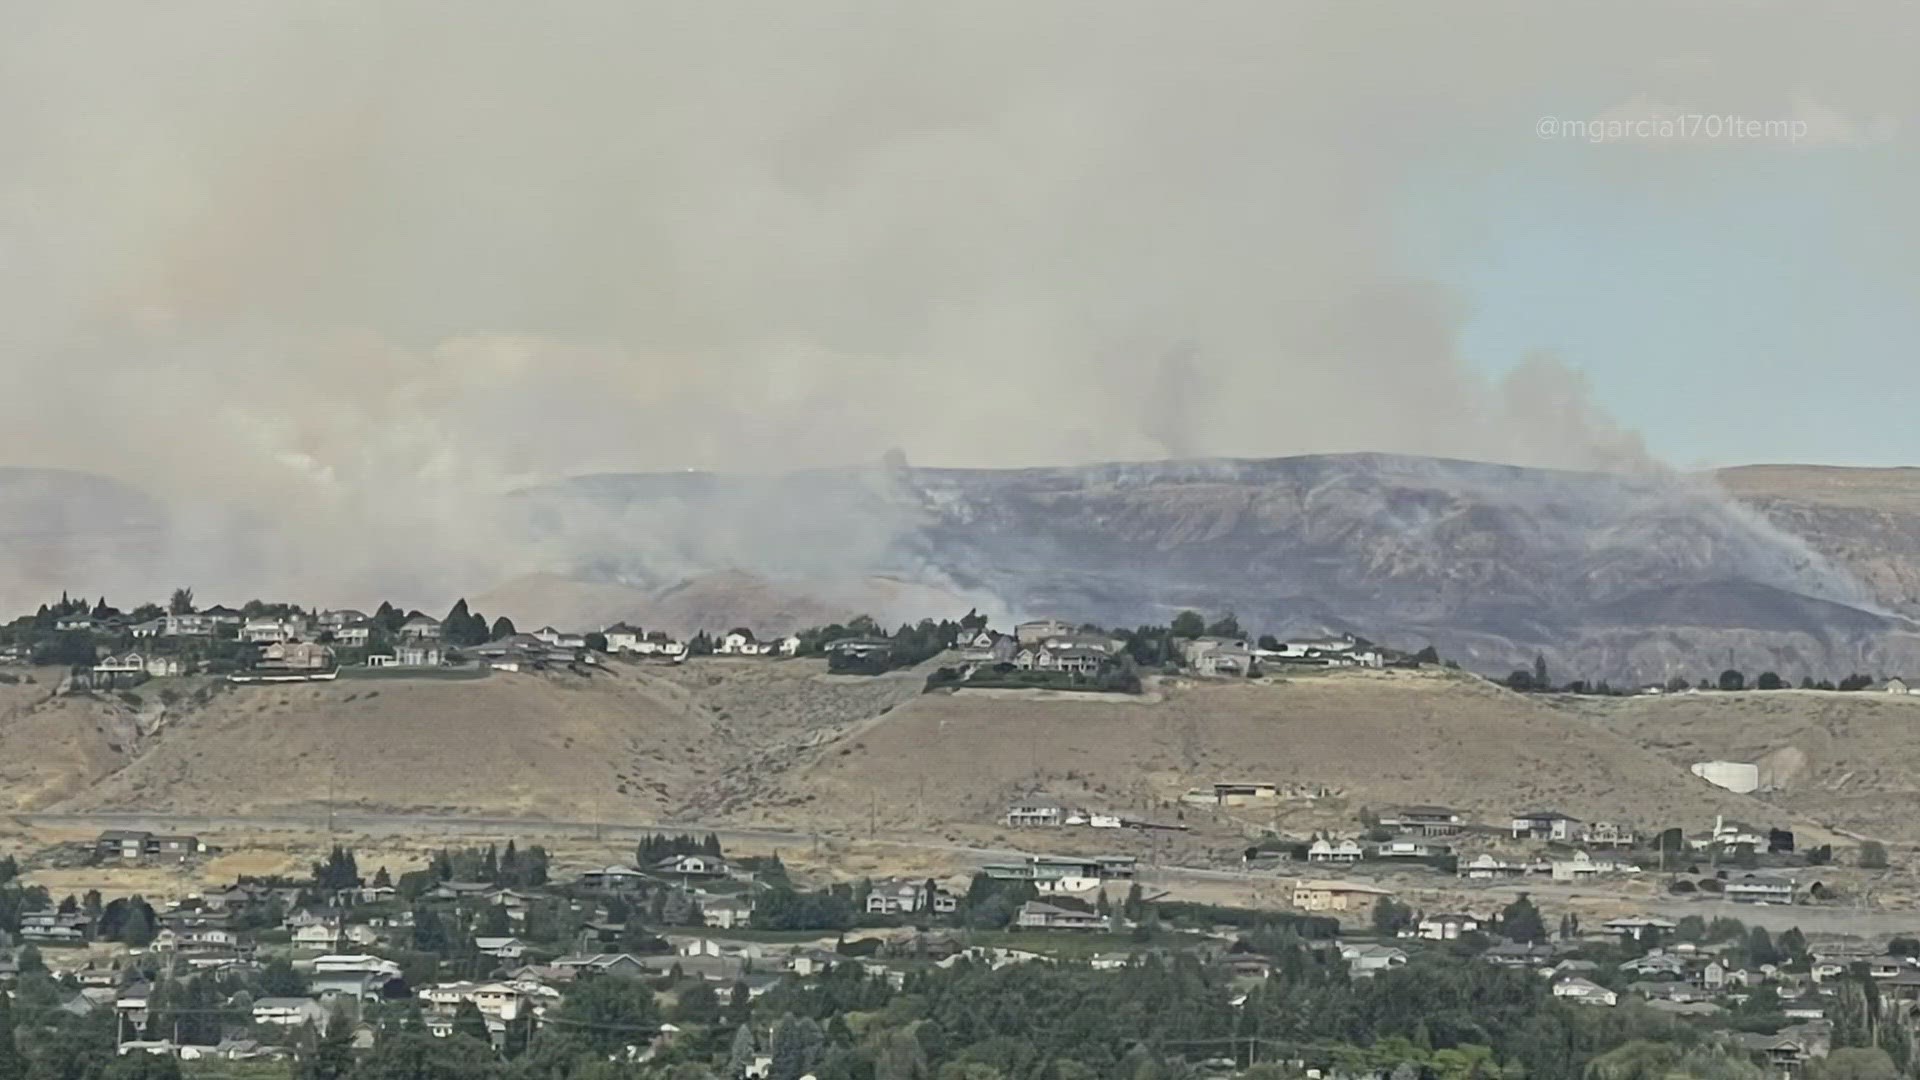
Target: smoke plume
x: 330, y: 279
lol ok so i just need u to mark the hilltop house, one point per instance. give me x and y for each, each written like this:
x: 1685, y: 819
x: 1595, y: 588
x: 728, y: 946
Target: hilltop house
x: 1036, y: 811
x: 1056, y: 915
x: 296, y: 656
x: 1608, y: 834
x: 1219, y: 656
x: 134, y: 663
x: 1487, y: 866
x: 612, y: 878
x: 692, y: 866
x: 354, y: 635
x: 1425, y: 821
x: 903, y: 896
x: 266, y: 629
x: 129, y: 845
x: 1363, y: 960
x: 1070, y: 660
x: 183, y: 626
x: 623, y: 638
x: 1411, y: 849
x: 1545, y: 825
x: 986, y: 647
x: 421, y: 653
x: 420, y: 628
x: 737, y: 642
x: 559, y: 639
x: 500, y: 948
x: 725, y: 913
x: 1447, y: 927
x: 1314, y: 895
x: 1584, y: 992
x: 1325, y: 851
x: 1583, y: 866
x: 1760, y: 889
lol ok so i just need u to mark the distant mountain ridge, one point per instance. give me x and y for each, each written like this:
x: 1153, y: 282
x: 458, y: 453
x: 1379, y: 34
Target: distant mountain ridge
x: 1799, y: 570
x: 1611, y: 576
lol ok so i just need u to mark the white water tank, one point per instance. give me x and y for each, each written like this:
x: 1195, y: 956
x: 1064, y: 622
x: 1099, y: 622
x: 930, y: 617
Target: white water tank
x: 1736, y: 776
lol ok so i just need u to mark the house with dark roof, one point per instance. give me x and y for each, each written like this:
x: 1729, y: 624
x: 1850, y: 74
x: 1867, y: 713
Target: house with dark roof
x: 1545, y: 825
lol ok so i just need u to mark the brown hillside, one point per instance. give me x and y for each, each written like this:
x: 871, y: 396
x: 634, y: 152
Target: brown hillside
x: 783, y: 743
x: 565, y: 746
x: 53, y: 747
x: 1849, y: 760
x: 1381, y: 738
x: 628, y: 741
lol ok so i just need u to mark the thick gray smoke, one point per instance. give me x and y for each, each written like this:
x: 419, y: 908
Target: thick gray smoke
x: 330, y: 278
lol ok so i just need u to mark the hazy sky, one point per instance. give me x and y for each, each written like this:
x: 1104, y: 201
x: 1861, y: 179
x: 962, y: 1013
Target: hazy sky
x: 344, y: 267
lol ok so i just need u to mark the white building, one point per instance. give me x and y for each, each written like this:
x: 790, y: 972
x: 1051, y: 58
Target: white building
x: 1584, y: 992
x: 1324, y: 851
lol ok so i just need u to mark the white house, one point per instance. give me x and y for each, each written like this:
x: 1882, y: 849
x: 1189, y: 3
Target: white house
x: 1447, y: 927
x: 501, y: 948
x: 1367, y: 959
x: 1760, y: 889
x: 1583, y: 867
x: 1584, y: 992
x: 320, y: 935
x: 1323, y: 851
x: 289, y: 1012
x: 901, y: 897
x: 623, y: 638
x: 560, y: 639
x: 269, y: 629
x: 420, y: 628
x: 692, y: 866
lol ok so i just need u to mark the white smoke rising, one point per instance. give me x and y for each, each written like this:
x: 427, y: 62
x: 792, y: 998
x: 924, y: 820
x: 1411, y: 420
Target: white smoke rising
x: 331, y: 278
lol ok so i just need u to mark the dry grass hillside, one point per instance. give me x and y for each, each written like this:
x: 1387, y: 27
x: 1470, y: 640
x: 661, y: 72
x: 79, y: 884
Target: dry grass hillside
x: 1849, y: 760
x: 628, y: 741
x: 564, y: 746
x: 783, y: 743
x: 1379, y: 738
x: 52, y: 747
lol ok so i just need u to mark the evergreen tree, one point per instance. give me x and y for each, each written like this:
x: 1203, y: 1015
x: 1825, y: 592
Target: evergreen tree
x: 502, y: 628
x: 740, y: 1059
x: 332, y: 1055
x: 13, y: 1063
x: 795, y: 1044
x: 1520, y: 921
x: 470, y: 1022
